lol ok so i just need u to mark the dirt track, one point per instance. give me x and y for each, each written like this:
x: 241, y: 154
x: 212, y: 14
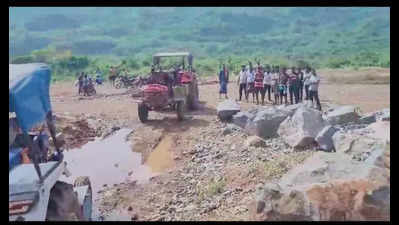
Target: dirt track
x: 115, y: 106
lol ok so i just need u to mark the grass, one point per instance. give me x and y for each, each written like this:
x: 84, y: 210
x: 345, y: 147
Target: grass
x: 357, y: 76
x: 212, y: 188
x: 277, y: 167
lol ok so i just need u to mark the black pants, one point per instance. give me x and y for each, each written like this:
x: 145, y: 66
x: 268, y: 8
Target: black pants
x: 307, y: 92
x: 294, y: 94
x: 315, y: 95
x: 266, y: 88
x: 257, y: 90
x: 243, y: 87
x: 301, y: 92
x: 282, y: 94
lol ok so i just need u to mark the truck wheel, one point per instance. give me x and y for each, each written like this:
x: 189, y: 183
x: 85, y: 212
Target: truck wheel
x: 143, y: 112
x: 63, y: 204
x: 88, y: 200
x: 180, y: 110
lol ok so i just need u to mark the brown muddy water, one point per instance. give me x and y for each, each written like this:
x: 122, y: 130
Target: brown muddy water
x: 160, y: 158
x: 112, y: 161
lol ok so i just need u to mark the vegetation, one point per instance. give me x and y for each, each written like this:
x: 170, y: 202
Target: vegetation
x: 84, y: 39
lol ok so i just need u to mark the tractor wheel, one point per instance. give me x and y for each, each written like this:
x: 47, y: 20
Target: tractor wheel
x: 192, y: 98
x: 88, y: 200
x: 63, y: 204
x: 180, y: 110
x: 143, y: 112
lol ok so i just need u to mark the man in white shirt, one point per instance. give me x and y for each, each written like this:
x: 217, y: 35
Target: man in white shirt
x: 250, y: 84
x: 314, y: 81
x: 267, y: 81
x: 242, y: 82
x: 306, y: 78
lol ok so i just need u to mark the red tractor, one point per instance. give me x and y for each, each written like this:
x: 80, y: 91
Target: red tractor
x: 175, y: 88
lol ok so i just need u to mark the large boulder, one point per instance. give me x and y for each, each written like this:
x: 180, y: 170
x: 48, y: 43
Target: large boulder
x: 227, y: 109
x: 383, y: 115
x: 368, y: 118
x: 241, y: 119
x: 301, y: 129
x: 329, y: 187
x: 342, y: 115
x: 266, y: 122
x: 324, y: 138
x: 360, y: 143
x: 290, y: 108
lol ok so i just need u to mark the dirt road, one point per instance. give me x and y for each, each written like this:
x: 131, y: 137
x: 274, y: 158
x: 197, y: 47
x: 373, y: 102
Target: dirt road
x: 168, y: 149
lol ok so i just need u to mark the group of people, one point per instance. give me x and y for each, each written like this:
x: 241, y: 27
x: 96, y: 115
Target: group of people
x: 85, y: 82
x: 279, y: 81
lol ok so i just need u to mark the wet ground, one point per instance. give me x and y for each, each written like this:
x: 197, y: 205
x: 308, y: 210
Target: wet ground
x: 111, y: 162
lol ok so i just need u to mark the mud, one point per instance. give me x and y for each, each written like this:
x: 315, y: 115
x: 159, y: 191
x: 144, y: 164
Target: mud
x: 160, y: 159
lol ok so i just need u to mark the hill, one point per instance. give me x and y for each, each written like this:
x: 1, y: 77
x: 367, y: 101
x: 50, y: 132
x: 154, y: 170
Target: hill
x: 324, y: 37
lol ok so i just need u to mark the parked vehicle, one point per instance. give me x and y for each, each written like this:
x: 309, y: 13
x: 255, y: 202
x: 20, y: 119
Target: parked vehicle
x: 35, y: 192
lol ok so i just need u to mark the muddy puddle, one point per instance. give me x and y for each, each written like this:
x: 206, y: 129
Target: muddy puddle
x: 112, y: 161
x: 160, y: 159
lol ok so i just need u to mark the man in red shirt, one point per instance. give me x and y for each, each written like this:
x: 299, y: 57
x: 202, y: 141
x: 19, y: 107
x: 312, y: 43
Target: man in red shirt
x: 258, y: 83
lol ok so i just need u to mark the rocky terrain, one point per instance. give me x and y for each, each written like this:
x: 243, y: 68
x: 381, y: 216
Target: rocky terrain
x: 262, y: 163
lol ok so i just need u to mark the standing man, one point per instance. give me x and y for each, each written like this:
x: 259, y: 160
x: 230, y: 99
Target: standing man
x: 306, y: 78
x: 223, y: 81
x: 283, y: 80
x: 242, y: 82
x: 293, y: 86
x: 85, y: 84
x: 250, y: 84
x: 314, y: 89
x: 274, y: 84
x: 80, y: 83
x: 267, y: 82
x: 300, y: 83
x: 258, y: 84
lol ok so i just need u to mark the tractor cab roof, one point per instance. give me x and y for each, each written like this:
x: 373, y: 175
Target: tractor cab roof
x: 29, y: 93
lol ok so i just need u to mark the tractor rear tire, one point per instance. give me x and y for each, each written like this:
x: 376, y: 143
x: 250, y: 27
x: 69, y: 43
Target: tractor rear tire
x: 88, y: 200
x: 180, y: 110
x: 63, y: 204
x: 143, y: 112
x: 192, y: 97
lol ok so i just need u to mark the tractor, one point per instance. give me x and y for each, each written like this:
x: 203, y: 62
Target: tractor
x: 35, y: 190
x: 175, y: 88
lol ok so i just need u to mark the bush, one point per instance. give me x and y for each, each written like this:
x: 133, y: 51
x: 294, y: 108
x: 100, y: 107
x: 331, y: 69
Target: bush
x: 23, y: 59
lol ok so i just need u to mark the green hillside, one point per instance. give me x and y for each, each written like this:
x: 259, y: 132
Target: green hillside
x: 86, y: 37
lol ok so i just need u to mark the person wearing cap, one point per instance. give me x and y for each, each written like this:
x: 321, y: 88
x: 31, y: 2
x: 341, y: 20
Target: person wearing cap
x: 242, y: 82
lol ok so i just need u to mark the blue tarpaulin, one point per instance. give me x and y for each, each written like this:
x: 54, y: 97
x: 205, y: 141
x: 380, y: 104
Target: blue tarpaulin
x: 29, y: 93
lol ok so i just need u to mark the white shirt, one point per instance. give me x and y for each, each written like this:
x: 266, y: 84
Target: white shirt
x: 306, y: 77
x: 243, y: 77
x: 274, y: 77
x: 250, y: 77
x: 314, y: 83
x: 267, y: 78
